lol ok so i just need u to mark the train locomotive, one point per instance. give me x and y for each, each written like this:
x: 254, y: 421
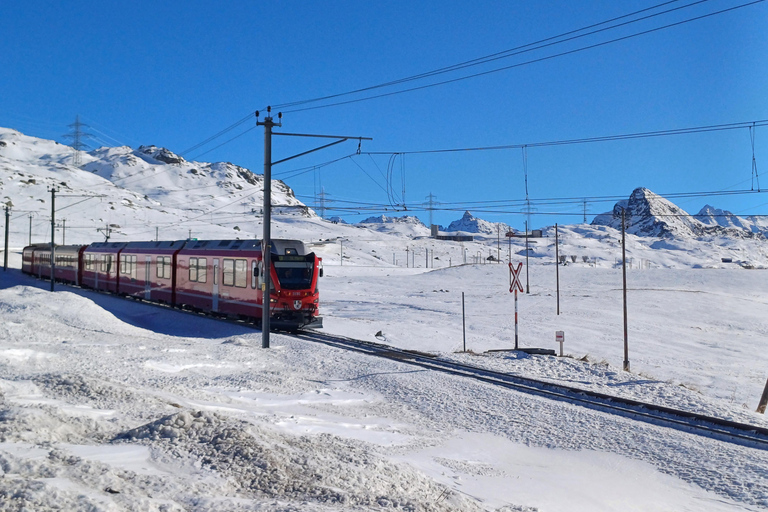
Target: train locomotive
x: 221, y: 277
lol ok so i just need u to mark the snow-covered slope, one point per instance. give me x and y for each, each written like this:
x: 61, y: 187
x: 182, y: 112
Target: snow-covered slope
x: 139, y: 193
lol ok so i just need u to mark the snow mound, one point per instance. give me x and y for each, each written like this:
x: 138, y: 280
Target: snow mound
x: 323, y: 469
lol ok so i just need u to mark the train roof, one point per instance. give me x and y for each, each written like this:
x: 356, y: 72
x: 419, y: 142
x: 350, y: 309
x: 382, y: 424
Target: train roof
x: 58, y: 247
x: 279, y: 246
x: 106, y: 245
x: 175, y: 244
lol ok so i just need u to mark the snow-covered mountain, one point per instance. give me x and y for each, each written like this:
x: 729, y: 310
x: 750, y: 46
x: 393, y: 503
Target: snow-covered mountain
x: 407, y: 225
x: 648, y: 214
x: 139, y: 193
x: 471, y: 224
x: 150, y: 192
x: 712, y: 216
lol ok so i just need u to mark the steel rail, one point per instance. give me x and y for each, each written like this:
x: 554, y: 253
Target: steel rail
x: 709, y: 426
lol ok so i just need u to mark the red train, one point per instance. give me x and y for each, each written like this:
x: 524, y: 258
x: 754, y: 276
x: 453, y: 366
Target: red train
x: 223, y: 277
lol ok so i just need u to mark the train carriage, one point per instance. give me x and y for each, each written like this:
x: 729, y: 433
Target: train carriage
x: 100, y: 266
x: 30, y: 265
x: 147, y: 270
x: 201, y: 283
x: 68, y: 267
x: 36, y: 260
x: 226, y: 277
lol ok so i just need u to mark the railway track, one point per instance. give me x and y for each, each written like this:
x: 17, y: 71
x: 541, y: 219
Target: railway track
x: 691, y: 422
x: 709, y: 426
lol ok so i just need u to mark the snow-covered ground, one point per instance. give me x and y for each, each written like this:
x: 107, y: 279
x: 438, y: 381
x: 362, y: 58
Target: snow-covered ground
x: 114, y: 405
x: 109, y: 404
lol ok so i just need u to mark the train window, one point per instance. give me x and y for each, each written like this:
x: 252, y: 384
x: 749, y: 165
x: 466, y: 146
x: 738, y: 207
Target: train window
x: 228, y: 278
x: 201, y: 270
x: 128, y: 265
x: 254, y: 273
x: 294, y: 275
x: 197, y: 270
x: 241, y: 273
x: 235, y: 273
x: 164, y: 267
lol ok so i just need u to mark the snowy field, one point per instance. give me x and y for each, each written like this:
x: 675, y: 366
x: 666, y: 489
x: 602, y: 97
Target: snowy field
x: 108, y: 404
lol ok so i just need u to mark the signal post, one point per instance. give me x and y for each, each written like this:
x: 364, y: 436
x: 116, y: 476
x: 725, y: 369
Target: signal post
x: 515, y: 285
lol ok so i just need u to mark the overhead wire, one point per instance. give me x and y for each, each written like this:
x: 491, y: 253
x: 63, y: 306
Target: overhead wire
x: 542, y: 43
x: 488, y: 58
x: 531, y: 61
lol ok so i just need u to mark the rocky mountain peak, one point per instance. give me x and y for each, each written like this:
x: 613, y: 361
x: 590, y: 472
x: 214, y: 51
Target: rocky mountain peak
x: 161, y: 154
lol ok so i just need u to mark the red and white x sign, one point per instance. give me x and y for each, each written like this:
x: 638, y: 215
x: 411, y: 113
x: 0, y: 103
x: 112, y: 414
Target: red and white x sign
x: 514, y: 278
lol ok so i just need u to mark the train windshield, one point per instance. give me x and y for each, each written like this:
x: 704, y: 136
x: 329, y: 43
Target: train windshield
x: 294, y: 272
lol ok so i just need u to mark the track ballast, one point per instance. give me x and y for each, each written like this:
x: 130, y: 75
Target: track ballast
x: 694, y: 423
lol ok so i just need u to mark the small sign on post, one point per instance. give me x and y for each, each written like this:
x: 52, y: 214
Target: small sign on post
x: 560, y: 338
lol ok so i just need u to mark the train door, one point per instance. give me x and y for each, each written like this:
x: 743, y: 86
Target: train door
x: 147, y: 277
x: 215, y: 306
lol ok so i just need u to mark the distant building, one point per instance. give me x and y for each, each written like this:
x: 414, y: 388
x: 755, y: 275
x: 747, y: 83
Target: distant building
x: 435, y: 233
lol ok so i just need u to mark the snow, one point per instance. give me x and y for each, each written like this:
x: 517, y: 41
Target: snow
x: 111, y: 404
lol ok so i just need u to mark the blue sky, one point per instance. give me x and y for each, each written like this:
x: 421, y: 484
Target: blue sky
x: 174, y: 73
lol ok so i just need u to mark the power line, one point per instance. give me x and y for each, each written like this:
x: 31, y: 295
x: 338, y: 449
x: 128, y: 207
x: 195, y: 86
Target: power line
x: 603, y: 138
x: 525, y: 63
x: 218, y: 134
x: 542, y: 43
x: 494, y: 56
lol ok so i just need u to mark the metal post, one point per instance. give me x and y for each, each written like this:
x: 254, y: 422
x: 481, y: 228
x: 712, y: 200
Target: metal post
x: 527, y: 287
x: 157, y: 234
x: 515, y: 318
x: 464, y: 324
x: 5, y: 254
x: 63, y: 231
x: 30, y: 229
x: 498, y: 243
x: 266, y: 241
x: 624, y: 274
x: 557, y: 267
x: 341, y: 258
x: 53, y: 233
